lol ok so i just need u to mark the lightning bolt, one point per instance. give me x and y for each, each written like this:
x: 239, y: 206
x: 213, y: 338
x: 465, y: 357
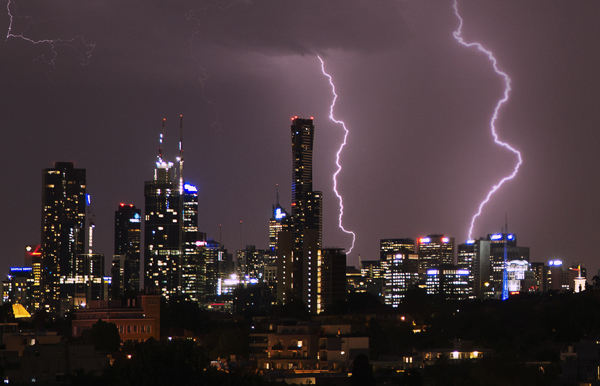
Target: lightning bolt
x: 77, y: 43
x: 490, y: 55
x: 337, y: 157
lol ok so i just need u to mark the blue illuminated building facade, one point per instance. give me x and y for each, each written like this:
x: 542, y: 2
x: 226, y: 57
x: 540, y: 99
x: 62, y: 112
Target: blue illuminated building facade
x: 503, y: 248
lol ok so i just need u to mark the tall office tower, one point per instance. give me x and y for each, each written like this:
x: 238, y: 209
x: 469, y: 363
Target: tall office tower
x: 173, y: 262
x: 449, y: 282
x: 125, y: 271
x: 474, y: 255
x: 162, y: 230
x: 219, y: 266
x: 193, y: 268
x: 299, y: 242
x: 434, y: 251
x: 399, y: 266
x: 33, y: 259
x: 374, y: 275
x: 87, y: 283
x: 387, y: 246
x: 555, y: 276
x: 63, y: 227
x: 275, y: 226
x: 252, y: 262
x: 213, y: 256
x: 332, y: 281
x: 513, y: 252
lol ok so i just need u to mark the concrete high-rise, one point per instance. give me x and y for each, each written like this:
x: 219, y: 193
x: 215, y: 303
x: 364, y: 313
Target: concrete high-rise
x: 300, y: 241
x: 434, y: 251
x: 193, y: 275
x: 63, y: 228
x: 474, y: 255
x: 399, y: 266
x: 126, y: 262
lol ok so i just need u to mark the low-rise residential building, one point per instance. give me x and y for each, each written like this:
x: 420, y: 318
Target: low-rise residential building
x: 138, y: 320
x: 308, y: 346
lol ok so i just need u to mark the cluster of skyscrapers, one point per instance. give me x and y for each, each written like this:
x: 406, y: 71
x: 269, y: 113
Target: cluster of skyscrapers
x: 490, y: 267
x: 62, y: 272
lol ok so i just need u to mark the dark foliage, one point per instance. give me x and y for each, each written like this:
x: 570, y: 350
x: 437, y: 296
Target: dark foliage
x: 104, y: 336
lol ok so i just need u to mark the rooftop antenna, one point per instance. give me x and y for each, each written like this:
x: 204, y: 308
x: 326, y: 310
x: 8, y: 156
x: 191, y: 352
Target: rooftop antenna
x: 277, y: 194
x: 506, y: 222
x: 162, y: 134
x: 181, y: 154
x: 91, y: 223
x: 241, y: 235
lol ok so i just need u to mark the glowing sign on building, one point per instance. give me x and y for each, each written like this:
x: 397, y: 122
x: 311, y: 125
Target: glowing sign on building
x: 496, y: 236
x: 470, y: 242
x: 424, y: 240
x: 446, y: 239
x: 189, y: 188
x: 279, y: 214
x: 136, y: 218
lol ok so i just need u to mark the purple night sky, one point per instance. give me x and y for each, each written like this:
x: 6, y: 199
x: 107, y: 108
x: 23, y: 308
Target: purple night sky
x: 419, y: 157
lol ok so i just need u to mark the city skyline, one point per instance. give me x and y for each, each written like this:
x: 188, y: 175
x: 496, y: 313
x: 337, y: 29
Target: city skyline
x: 417, y: 104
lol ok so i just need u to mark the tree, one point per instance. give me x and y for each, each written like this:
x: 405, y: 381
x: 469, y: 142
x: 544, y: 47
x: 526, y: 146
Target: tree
x: 362, y: 372
x: 104, y: 336
x: 596, y: 282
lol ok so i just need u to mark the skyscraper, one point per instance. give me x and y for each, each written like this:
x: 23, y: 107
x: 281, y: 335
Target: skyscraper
x: 162, y: 231
x: 498, y: 242
x: 193, y: 275
x: 474, y: 255
x: 126, y: 263
x: 332, y: 274
x: 173, y: 263
x: 434, y: 251
x: 399, y: 264
x: 276, y: 225
x: 63, y: 227
x: 299, y: 243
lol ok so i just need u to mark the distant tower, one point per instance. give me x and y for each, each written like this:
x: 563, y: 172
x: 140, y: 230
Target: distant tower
x: 300, y: 241
x: 434, y: 251
x: 173, y: 262
x: 400, y: 268
x: 503, y: 248
x: 193, y: 273
x: 474, y: 255
x: 162, y: 227
x: 63, y: 228
x: 276, y: 224
x: 126, y: 263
